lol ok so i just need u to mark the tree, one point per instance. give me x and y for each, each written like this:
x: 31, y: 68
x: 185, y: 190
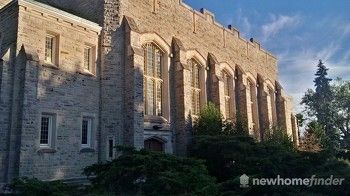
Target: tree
x: 212, y: 122
x: 313, y: 139
x: 341, y: 90
x: 151, y: 173
x: 300, y: 119
x: 319, y: 103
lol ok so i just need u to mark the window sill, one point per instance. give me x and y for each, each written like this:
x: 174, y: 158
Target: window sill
x: 87, y: 150
x: 48, y: 65
x: 47, y: 151
x: 86, y: 73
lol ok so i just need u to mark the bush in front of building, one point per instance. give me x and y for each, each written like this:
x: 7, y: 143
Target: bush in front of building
x: 228, y: 156
x: 34, y: 187
x: 151, y: 173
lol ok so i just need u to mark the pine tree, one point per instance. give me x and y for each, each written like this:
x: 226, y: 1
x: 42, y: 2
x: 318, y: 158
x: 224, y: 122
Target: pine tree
x: 319, y: 104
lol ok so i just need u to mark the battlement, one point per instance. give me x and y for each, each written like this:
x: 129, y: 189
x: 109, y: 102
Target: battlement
x: 230, y: 30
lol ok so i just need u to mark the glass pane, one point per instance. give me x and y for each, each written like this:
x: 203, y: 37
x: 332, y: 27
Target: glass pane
x: 84, y: 137
x: 44, y: 133
x: 195, y: 75
x: 226, y: 79
x: 150, y: 60
x: 87, y: 57
x: 159, y: 99
x: 195, y: 102
x: 110, y: 148
x: 158, y: 64
x: 49, y: 49
x: 150, y: 97
x: 227, y: 107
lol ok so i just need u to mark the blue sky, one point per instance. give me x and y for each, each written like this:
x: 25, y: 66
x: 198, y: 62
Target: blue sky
x: 299, y: 33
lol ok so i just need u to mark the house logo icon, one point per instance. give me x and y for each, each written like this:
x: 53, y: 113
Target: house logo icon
x: 244, y: 181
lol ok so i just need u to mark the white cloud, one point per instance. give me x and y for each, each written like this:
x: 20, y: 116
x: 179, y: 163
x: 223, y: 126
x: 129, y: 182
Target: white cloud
x: 277, y: 24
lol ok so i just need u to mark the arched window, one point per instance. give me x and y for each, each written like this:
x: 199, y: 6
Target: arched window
x: 153, y: 82
x: 251, y: 98
x: 195, y: 86
x: 227, y: 80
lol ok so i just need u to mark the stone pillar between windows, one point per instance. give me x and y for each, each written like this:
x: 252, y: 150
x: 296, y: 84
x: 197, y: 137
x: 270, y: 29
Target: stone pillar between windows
x: 182, y: 76
x: 213, y: 81
x: 256, y: 120
x: 281, y: 108
x: 263, y: 102
x: 241, y: 96
x: 134, y: 103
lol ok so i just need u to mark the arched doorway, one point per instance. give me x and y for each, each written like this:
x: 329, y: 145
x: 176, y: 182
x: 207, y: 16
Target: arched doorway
x: 154, y: 145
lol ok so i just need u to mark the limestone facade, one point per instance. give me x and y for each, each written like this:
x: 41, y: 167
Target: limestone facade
x: 96, y: 77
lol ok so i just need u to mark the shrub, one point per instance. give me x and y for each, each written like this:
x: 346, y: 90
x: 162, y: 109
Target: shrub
x: 34, y: 187
x: 152, y: 173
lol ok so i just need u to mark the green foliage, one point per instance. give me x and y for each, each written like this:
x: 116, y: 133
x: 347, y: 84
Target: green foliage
x: 228, y: 158
x: 341, y: 91
x: 319, y: 103
x: 300, y: 119
x: 151, y: 173
x: 211, y: 122
x: 280, y: 138
x: 35, y: 187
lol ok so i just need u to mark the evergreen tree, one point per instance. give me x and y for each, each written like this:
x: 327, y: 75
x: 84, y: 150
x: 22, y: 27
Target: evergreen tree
x: 319, y: 104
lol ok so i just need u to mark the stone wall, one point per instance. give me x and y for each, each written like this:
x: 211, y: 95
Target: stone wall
x: 63, y: 90
x: 200, y: 31
x: 8, y: 23
x: 4, y: 2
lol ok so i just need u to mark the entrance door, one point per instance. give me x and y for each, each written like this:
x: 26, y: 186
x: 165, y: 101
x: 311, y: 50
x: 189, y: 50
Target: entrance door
x: 154, y: 145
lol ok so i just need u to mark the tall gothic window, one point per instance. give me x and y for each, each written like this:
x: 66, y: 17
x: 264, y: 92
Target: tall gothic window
x: 195, y: 87
x: 251, y: 97
x: 153, y: 82
x: 227, y: 78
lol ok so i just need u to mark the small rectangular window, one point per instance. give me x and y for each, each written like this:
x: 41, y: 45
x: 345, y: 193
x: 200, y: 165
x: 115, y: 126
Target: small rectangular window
x: 46, y: 131
x: 110, y: 148
x: 88, y: 58
x: 86, y: 132
x: 50, y: 49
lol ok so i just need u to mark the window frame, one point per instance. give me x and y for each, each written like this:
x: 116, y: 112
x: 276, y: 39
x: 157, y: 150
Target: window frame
x: 90, y: 58
x: 196, y: 88
x: 49, y: 131
x: 227, y: 79
x: 156, y: 78
x: 88, y: 134
x: 54, y: 49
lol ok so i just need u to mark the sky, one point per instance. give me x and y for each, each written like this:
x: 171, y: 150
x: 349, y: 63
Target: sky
x: 299, y: 33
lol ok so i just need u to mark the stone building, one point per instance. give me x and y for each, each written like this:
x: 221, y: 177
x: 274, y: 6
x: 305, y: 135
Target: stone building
x: 79, y: 77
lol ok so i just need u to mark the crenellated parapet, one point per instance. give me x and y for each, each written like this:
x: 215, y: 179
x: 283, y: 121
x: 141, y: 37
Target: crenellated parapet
x: 227, y: 31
